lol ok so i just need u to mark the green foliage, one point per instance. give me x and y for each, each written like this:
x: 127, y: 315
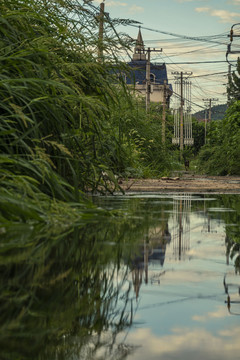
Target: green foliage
x: 220, y: 156
x: 68, y: 124
x: 55, y: 99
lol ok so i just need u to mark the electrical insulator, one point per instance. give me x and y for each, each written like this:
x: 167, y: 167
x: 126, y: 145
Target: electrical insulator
x: 231, y: 35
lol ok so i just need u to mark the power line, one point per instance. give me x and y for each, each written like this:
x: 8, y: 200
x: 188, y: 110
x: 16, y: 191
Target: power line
x: 217, y: 73
x: 201, y: 39
x: 198, y: 62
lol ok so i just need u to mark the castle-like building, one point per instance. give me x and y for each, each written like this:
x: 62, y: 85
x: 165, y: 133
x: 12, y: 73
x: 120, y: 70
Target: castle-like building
x: 158, y: 75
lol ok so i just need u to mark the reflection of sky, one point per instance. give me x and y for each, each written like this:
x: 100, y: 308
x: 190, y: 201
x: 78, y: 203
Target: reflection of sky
x: 185, y: 315
x: 185, y: 343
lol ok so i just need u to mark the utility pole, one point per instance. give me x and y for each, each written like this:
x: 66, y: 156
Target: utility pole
x: 230, y: 51
x: 148, y: 82
x: 164, y: 111
x: 229, y: 77
x: 210, y: 107
x: 205, y: 127
x: 181, y: 105
x: 181, y: 113
x: 100, y: 33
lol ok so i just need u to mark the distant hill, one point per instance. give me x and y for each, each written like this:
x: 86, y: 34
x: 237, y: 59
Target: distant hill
x: 218, y: 112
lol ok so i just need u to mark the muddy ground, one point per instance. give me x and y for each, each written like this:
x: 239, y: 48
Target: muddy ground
x: 186, y: 182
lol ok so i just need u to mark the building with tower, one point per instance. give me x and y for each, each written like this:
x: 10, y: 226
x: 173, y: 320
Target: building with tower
x: 159, y: 87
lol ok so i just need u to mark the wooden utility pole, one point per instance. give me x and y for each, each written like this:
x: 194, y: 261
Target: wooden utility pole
x: 164, y: 112
x: 148, y: 82
x: 229, y: 77
x: 205, y: 127
x: 100, y: 34
x: 210, y: 108
x: 181, y: 113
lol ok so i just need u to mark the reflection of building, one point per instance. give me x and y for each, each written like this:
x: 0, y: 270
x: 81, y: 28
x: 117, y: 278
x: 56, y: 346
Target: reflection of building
x: 158, y: 75
x: 151, y: 252
x: 181, y: 225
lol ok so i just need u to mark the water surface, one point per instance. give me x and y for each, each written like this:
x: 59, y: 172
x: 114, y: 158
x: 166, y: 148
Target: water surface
x: 160, y: 280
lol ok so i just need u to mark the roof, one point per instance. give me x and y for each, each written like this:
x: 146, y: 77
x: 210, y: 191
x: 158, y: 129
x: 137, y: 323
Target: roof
x: 138, y: 72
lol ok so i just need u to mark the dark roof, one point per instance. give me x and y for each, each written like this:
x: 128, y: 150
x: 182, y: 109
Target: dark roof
x: 138, y: 72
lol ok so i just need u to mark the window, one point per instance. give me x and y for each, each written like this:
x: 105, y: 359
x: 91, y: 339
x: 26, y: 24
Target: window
x: 152, y: 78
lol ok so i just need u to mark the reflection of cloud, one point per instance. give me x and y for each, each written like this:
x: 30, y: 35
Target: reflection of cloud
x: 186, y: 343
x: 220, y: 313
x: 230, y: 332
x: 224, y: 15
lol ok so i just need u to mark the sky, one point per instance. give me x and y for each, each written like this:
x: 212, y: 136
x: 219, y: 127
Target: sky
x: 187, y: 31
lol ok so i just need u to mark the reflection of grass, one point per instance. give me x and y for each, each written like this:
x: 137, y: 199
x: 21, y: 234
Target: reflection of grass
x: 62, y: 286
x: 55, y: 287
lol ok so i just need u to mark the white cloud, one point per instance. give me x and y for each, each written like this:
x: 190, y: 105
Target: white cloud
x: 203, y: 9
x: 234, y: 2
x: 132, y: 9
x: 136, y: 9
x: 220, y: 313
x: 183, y: 1
x: 185, y: 344
x: 223, y: 15
x: 113, y: 3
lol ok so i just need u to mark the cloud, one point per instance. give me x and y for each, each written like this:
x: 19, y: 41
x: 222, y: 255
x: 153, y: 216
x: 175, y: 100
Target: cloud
x: 183, y: 1
x: 136, y: 9
x: 223, y: 15
x: 186, y: 344
x: 132, y: 9
x: 220, y: 313
x: 113, y: 3
x: 234, y: 2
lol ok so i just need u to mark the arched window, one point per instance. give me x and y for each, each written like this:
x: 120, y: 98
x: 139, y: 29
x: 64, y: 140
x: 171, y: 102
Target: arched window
x: 152, y: 78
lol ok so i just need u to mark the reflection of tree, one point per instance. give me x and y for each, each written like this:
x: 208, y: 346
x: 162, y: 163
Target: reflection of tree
x: 233, y: 291
x: 233, y: 252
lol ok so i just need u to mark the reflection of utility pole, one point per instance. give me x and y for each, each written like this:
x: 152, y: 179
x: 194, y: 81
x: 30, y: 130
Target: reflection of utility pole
x: 146, y: 253
x: 100, y: 36
x: 148, y: 82
x: 205, y: 127
x: 180, y: 231
x: 210, y: 108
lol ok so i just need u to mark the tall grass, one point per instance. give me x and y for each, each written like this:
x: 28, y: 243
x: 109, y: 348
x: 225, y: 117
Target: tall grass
x: 54, y: 100
x: 65, y: 116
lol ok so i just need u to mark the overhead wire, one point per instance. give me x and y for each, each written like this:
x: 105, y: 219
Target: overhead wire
x: 208, y: 38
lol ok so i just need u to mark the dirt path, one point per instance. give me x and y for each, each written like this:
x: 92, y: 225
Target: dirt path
x: 187, y: 182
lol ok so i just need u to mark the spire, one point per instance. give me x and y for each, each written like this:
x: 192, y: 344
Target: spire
x: 139, y: 52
